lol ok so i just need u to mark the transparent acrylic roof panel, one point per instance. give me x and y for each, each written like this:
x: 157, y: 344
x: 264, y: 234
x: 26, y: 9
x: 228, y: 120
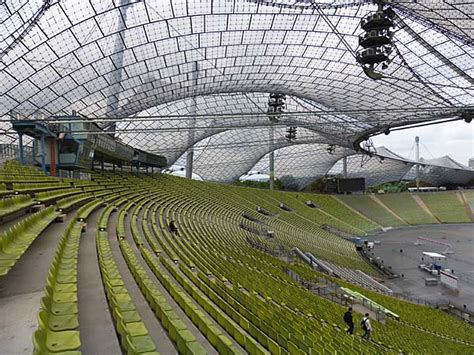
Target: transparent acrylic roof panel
x: 376, y: 170
x: 167, y: 127
x: 447, y: 162
x: 299, y: 165
x: 453, y: 16
x: 80, y: 54
x: 127, y: 58
x: 439, y: 176
x: 228, y: 155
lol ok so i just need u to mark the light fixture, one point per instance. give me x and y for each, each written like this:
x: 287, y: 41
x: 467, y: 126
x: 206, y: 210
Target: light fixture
x: 467, y: 115
x: 291, y: 133
x: 376, y: 43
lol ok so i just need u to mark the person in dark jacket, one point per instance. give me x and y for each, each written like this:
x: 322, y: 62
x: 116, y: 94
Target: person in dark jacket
x: 173, y: 228
x: 349, y: 321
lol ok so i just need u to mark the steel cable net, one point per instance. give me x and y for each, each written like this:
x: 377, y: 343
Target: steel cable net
x: 298, y: 165
x: 387, y: 166
x: 383, y: 166
x: 106, y: 59
x: 226, y: 156
x: 237, y: 112
x: 450, y: 17
x: 441, y: 171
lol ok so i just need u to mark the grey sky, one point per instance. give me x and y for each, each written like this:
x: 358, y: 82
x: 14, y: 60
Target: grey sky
x: 455, y: 139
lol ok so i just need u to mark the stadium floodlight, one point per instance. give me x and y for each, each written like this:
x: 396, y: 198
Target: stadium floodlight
x: 331, y: 149
x: 467, y: 115
x: 276, y: 105
x: 376, y: 43
x: 291, y: 133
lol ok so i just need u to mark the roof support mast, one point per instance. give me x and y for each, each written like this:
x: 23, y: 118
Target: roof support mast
x: 417, y: 144
x: 271, y: 162
x: 116, y: 76
x: 192, y: 124
x: 276, y: 104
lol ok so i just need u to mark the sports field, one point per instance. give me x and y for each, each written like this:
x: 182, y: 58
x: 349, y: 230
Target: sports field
x: 461, y: 239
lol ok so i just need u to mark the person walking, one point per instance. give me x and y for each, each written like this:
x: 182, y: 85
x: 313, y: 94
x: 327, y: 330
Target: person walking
x: 366, y: 326
x: 349, y: 321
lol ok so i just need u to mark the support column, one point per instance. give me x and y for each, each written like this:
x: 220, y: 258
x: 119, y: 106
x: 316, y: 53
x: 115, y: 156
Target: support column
x: 116, y: 76
x: 192, y: 125
x: 272, y: 170
x: 21, y: 155
x: 276, y: 104
x: 43, y: 153
x: 417, y: 144
x: 189, y: 163
x: 52, y: 158
x: 102, y: 166
x: 271, y: 162
x: 35, y: 150
x: 344, y: 167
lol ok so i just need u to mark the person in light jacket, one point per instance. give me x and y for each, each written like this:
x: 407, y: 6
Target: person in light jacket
x: 366, y: 326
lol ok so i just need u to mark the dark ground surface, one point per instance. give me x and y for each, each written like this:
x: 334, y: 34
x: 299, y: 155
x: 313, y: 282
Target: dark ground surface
x: 461, y: 260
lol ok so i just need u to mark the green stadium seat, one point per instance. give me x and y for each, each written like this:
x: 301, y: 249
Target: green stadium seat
x: 57, y: 322
x: 55, y: 342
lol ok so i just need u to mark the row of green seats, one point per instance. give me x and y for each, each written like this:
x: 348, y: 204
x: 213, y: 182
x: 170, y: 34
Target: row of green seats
x: 388, y: 334
x: 14, y: 166
x: 15, y: 204
x: 195, y: 235
x: 176, y: 329
x: 290, y: 230
x: 434, y: 321
x: 205, y: 325
x: 446, y: 206
x: 67, y: 203
x: 4, y: 191
x: 51, y: 196
x: 370, y: 208
x: 333, y: 206
x: 88, y: 208
x: 468, y: 194
x: 133, y: 333
x: 178, y: 332
x: 35, y: 187
x: 16, y: 240
x: 405, y: 206
x: 318, y: 215
x: 58, y: 319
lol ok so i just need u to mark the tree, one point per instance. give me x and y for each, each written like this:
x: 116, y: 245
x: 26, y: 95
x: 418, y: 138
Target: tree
x: 278, y: 185
x: 317, y: 186
x: 290, y: 183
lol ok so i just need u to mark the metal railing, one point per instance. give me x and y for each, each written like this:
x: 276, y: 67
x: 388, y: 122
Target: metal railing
x: 11, y: 151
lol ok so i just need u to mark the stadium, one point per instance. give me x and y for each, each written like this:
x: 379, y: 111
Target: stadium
x: 202, y: 177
